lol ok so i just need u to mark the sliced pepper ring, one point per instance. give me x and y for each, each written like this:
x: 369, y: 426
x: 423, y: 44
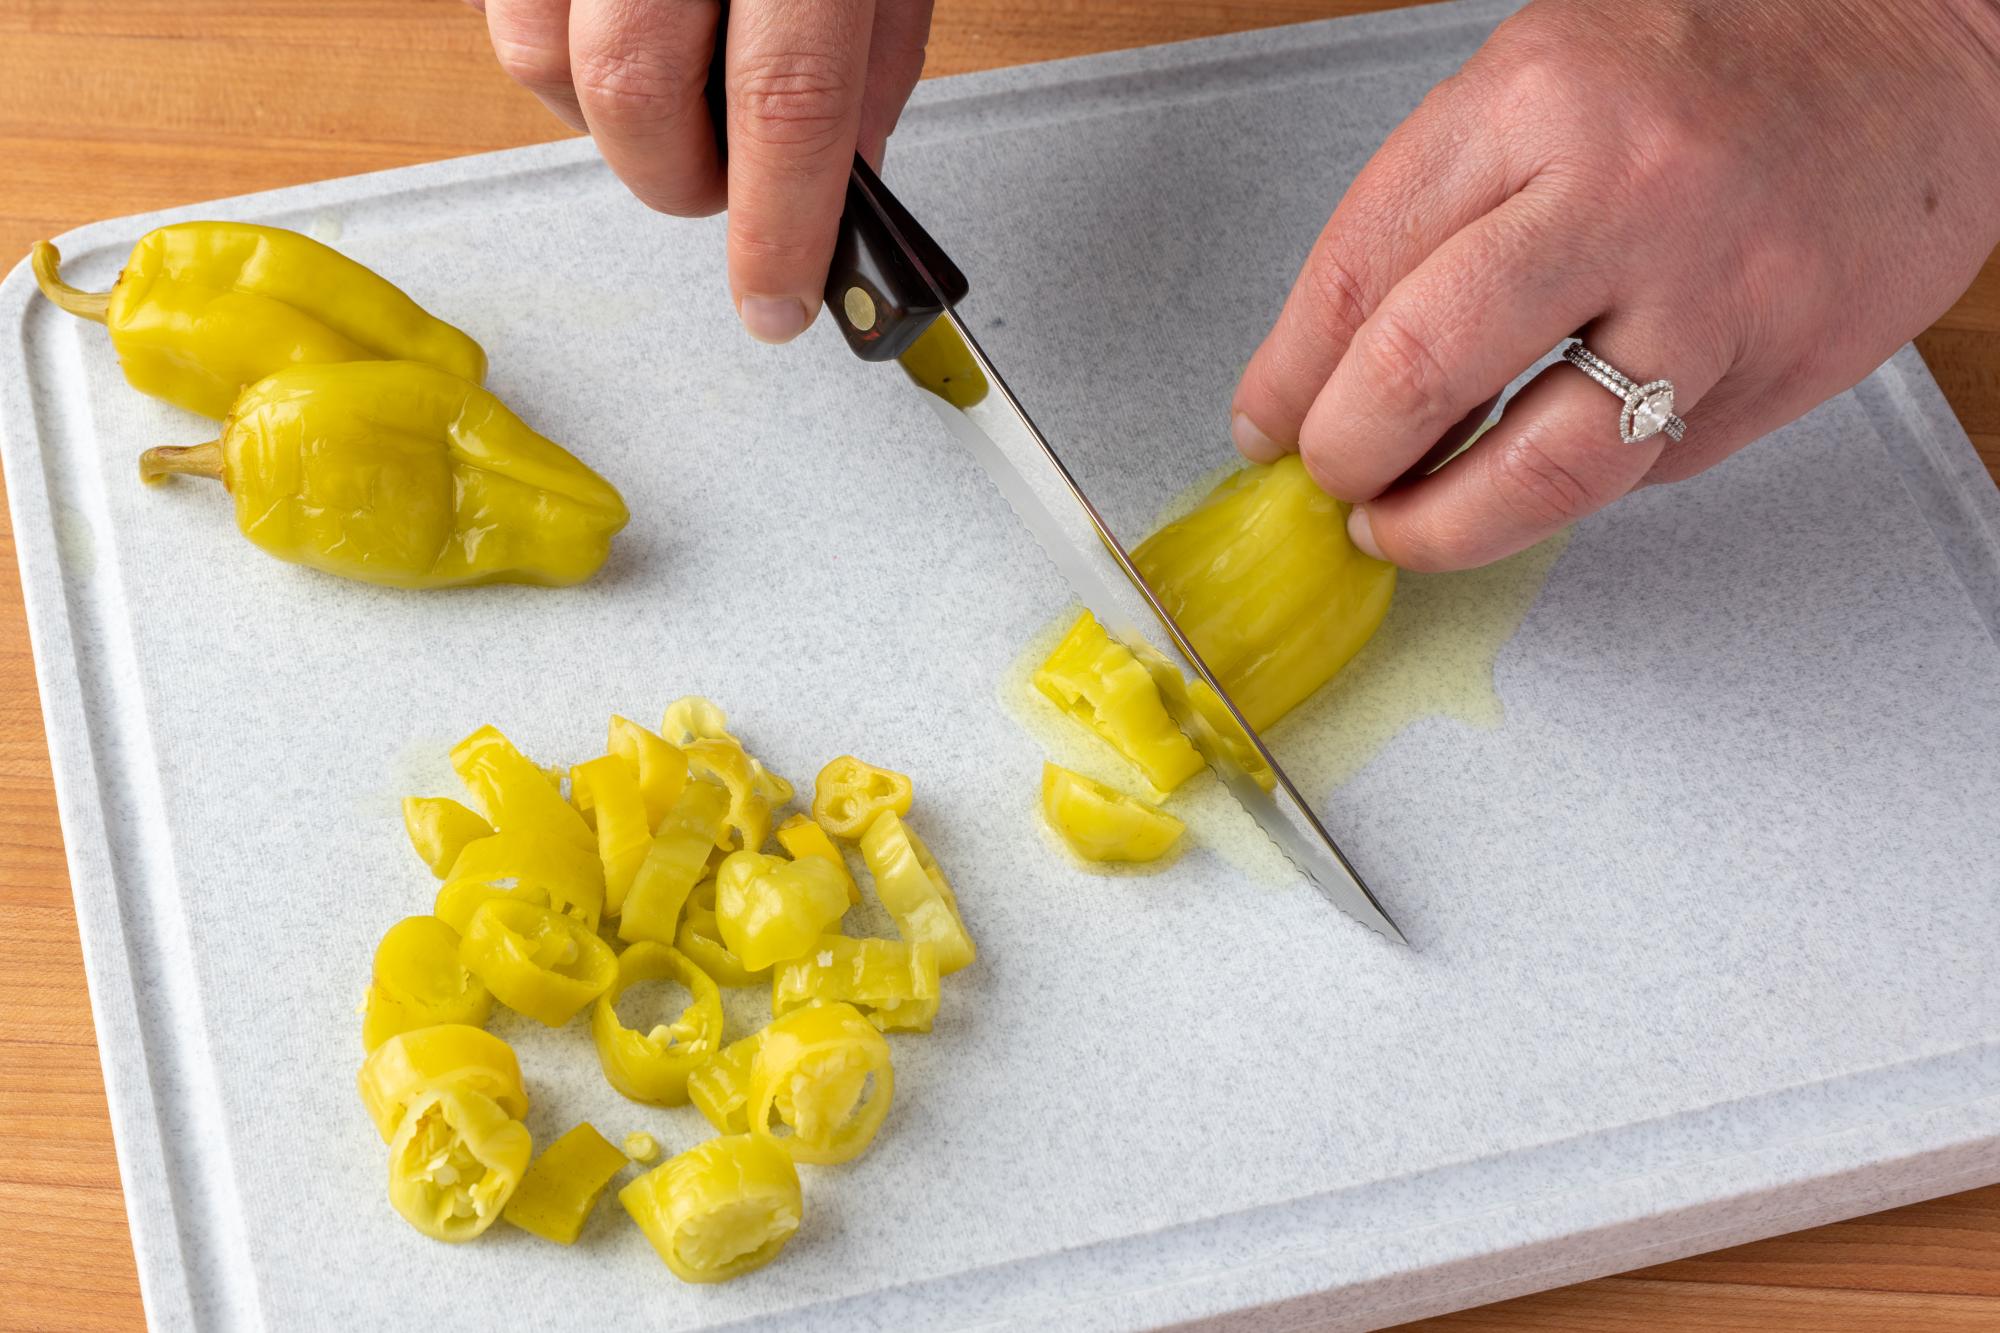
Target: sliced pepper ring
x: 455, y: 1161
x: 419, y: 981
x: 748, y: 823
x: 700, y: 938
x: 537, y: 962
x: 913, y: 888
x: 654, y: 1066
x: 540, y: 870
x: 447, y: 1055
x: 718, y: 1210
x: 823, y: 1074
x: 849, y: 795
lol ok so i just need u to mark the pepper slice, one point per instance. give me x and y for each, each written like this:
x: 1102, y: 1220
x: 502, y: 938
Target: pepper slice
x: 771, y: 909
x: 609, y: 788
x: 525, y: 868
x: 517, y: 796
x: 676, y: 859
x: 700, y: 938
x: 748, y: 824
x: 894, y: 983
x: 801, y: 837
x: 692, y: 718
x: 848, y: 795
x: 662, y: 769
x: 418, y: 981
x: 204, y: 308
x: 1098, y: 681
x: 824, y: 1073
x: 1101, y: 823
x: 913, y: 888
x: 556, y: 1196
x: 720, y: 1087
x: 439, y: 829
x: 719, y: 1210
x: 653, y: 1066
x: 455, y: 1161
x: 448, y: 1055
x: 537, y: 962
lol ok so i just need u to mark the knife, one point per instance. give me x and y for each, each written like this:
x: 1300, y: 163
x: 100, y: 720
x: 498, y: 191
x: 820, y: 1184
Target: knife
x: 894, y: 293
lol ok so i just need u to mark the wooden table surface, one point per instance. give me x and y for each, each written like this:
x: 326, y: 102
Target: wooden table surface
x: 118, y: 106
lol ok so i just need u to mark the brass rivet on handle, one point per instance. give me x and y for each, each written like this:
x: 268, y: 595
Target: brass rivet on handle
x: 860, y: 309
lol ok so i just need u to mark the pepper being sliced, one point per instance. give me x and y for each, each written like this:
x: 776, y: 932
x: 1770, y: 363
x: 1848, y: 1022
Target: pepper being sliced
x: 448, y: 1055
x: 720, y: 1087
x: 204, y: 308
x: 1098, y: 681
x: 848, y: 795
x: 537, y: 962
x: 719, y: 1210
x: 418, y: 981
x: 661, y: 768
x: 771, y: 909
x: 439, y: 829
x: 609, y: 788
x: 676, y: 859
x: 894, y: 983
x: 824, y: 1074
x: 653, y: 1066
x: 700, y: 938
x: 526, y: 868
x: 455, y: 1161
x: 398, y: 474
x: 563, y: 1185
x: 801, y: 836
x: 1101, y: 823
x: 913, y: 887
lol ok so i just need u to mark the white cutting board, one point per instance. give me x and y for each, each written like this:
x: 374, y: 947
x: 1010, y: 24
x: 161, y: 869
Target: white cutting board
x: 1703, y: 929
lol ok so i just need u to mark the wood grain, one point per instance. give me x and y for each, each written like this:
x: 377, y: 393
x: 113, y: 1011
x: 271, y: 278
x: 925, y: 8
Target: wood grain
x: 118, y: 106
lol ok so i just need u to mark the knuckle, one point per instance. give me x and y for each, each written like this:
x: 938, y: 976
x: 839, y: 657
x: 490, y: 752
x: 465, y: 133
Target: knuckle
x: 1339, y: 300
x: 1399, y: 367
x: 1539, y: 487
x: 796, y: 99
x: 531, y: 64
x: 628, y: 89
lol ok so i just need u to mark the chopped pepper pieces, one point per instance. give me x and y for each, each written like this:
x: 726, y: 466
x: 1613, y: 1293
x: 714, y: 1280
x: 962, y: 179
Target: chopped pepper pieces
x: 653, y: 1066
x: 677, y: 858
x: 824, y: 1074
x: 720, y: 1209
x: 527, y: 868
x: 848, y: 795
x: 419, y: 982
x: 608, y: 788
x: 894, y: 983
x: 537, y: 962
x: 439, y: 829
x: 1096, y: 680
x: 913, y: 888
x: 801, y: 837
x: 771, y: 909
x: 204, y: 308
x: 556, y: 1196
x: 748, y: 822
x: 448, y: 1055
x: 720, y: 1088
x: 398, y: 474
x: 661, y: 768
x: 517, y: 796
x: 692, y: 718
x: 700, y: 938
x: 1101, y: 823
x: 455, y: 1161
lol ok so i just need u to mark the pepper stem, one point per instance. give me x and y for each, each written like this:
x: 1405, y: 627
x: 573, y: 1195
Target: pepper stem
x: 48, y: 276
x: 184, y: 460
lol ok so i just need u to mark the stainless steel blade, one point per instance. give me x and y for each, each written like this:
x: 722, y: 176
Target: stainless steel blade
x: 999, y: 433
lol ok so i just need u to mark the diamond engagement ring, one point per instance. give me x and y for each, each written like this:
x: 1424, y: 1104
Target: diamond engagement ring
x: 1649, y: 408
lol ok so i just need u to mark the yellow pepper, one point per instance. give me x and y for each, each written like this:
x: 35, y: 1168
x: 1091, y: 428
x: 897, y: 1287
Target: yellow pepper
x: 439, y: 828
x: 448, y: 1055
x: 556, y: 1196
x: 1265, y: 582
x: 204, y: 308
x: 801, y: 837
x: 608, y: 788
x: 719, y: 1210
x: 418, y: 982
x: 537, y: 962
x: 455, y: 1161
x: 516, y: 794
x: 913, y: 888
x: 395, y: 473
x: 748, y: 823
x: 894, y: 983
x: 653, y: 1066
x: 700, y: 938
x: 1101, y: 823
x: 661, y: 768
x: 771, y: 909
x: 824, y: 1073
x: 1096, y: 680
x: 940, y: 362
x: 525, y: 868
x: 676, y: 859
x: 720, y: 1086
x: 848, y: 795
x: 692, y: 718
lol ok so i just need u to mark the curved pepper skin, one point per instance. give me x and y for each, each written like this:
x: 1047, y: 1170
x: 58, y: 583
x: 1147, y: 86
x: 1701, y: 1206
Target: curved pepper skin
x: 537, y: 962
x: 813, y: 1071
x: 719, y: 1210
x: 802, y: 836
x: 447, y: 1055
x: 1096, y: 680
x: 563, y: 1185
x: 913, y: 888
x: 654, y: 1066
x: 396, y: 473
x: 700, y: 938
x: 661, y: 768
x: 1265, y: 582
x: 892, y: 982
x: 204, y: 308
x: 1101, y: 823
x: 680, y: 851
x: 455, y: 1161
x: 848, y: 795
x: 748, y: 823
x: 439, y: 828
x: 608, y: 789
x: 771, y: 909
x: 525, y: 868
x: 720, y: 1086
x: 418, y: 982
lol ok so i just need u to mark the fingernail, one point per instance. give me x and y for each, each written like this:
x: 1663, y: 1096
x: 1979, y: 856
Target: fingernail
x: 773, y: 319
x: 1361, y: 531
x: 1252, y: 443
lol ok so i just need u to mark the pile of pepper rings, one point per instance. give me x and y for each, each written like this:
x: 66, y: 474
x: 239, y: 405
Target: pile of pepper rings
x: 651, y: 869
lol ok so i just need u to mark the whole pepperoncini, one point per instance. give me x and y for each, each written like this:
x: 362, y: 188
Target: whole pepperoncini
x: 397, y: 473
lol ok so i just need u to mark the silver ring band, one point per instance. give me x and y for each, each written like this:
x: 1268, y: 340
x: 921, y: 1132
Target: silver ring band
x: 1649, y: 407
